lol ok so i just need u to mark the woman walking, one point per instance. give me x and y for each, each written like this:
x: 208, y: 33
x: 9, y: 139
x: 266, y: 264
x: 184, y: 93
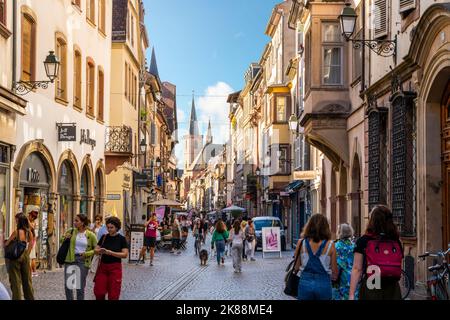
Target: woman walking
x: 237, y: 239
x: 19, y: 270
x: 250, y: 238
x: 79, y: 256
x: 176, y: 236
x: 244, y: 244
x: 219, y: 238
x: 381, y: 231
x: 317, y: 261
x: 344, y: 255
x: 113, y: 248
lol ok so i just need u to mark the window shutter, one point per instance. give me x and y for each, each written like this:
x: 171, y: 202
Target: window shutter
x: 381, y: 18
x: 406, y: 5
x: 27, y: 31
x: 100, y: 94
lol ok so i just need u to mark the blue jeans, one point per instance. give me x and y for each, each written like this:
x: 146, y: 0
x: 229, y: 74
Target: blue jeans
x: 220, y: 248
x: 314, y: 287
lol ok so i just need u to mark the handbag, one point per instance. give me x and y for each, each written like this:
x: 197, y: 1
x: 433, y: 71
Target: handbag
x: 292, y: 279
x: 15, y: 249
x: 63, y: 250
x: 95, y: 263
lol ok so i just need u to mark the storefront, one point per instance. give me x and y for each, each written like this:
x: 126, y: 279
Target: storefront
x: 66, y: 182
x: 35, y: 184
x: 84, y: 191
x: 5, y: 152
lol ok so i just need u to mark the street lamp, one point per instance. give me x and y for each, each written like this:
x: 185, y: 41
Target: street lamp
x: 384, y: 48
x: 51, y: 65
x: 293, y: 123
x: 143, y: 146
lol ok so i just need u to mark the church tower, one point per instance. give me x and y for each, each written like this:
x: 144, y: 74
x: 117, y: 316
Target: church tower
x: 209, y: 137
x: 193, y: 141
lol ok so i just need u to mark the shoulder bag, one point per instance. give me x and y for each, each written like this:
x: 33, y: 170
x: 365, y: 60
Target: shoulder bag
x: 15, y: 248
x: 96, y: 259
x: 63, y: 250
x: 292, y: 279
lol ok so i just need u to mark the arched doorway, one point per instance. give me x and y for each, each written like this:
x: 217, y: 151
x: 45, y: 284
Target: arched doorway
x: 333, y: 198
x: 445, y: 149
x: 356, y: 220
x: 84, y: 191
x: 342, y: 198
x: 98, y: 193
x: 66, y: 188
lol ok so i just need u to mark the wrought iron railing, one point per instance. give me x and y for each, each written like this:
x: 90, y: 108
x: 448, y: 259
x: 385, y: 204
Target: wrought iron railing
x: 119, y: 139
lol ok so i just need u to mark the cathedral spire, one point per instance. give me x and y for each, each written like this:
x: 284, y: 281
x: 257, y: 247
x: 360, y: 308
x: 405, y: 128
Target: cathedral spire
x: 193, y: 125
x: 209, y: 138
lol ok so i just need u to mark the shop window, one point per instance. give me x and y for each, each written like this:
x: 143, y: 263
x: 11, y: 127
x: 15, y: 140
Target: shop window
x: 77, y: 79
x: 65, y: 190
x: 332, y: 48
x: 28, y: 44
x: 61, y: 80
x: 84, y: 185
x: 101, y: 94
x: 90, y: 87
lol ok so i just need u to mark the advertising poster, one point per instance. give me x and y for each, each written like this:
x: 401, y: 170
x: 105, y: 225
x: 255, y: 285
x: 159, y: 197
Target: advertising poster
x: 136, y: 241
x: 160, y: 211
x: 271, y: 241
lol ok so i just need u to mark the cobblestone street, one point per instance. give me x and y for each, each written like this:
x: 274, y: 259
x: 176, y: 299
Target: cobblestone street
x: 181, y: 277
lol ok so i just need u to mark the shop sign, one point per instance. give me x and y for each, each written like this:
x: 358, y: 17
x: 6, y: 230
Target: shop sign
x: 32, y: 175
x: 66, y: 132
x: 305, y: 175
x: 85, y: 138
x: 141, y: 180
x: 136, y: 241
x: 284, y: 194
x: 113, y: 197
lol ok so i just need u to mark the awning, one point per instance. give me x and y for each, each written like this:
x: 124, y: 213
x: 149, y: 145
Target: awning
x: 294, y: 186
x: 166, y: 202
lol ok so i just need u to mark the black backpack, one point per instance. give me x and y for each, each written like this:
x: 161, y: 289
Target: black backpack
x: 63, y: 250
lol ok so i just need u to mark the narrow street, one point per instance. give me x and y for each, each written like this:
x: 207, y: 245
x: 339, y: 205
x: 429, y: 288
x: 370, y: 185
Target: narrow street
x: 180, y: 277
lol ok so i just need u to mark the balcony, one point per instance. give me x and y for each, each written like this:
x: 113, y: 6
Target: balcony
x: 119, y: 140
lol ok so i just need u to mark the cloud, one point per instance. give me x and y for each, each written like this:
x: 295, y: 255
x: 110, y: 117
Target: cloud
x: 213, y: 106
x: 238, y: 35
x: 181, y: 115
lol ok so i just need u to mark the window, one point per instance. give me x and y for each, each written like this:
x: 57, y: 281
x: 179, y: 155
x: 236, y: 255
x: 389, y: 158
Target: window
x: 77, y: 79
x: 101, y: 15
x: 126, y: 80
x: 357, y: 59
x: 280, y: 159
x: 308, y: 61
x: 281, y: 109
x: 90, y: 86
x: 332, y: 54
x: 77, y: 3
x: 3, y: 12
x: 61, y: 81
x: 90, y: 10
x: 380, y: 20
x: 101, y: 94
x: 128, y: 26
x: 135, y: 92
x: 298, y: 145
x: 132, y: 30
x: 28, y: 48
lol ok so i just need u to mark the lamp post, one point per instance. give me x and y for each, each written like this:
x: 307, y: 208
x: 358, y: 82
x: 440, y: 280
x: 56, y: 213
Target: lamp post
x: 51, y: 66
x: 384, y: 48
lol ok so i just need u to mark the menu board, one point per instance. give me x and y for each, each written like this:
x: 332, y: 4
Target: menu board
x: 136, y: 241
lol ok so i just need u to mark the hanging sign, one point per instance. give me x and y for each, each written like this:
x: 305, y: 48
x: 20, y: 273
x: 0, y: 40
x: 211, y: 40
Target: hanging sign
x: 85, y: 138
x: 67, y: 132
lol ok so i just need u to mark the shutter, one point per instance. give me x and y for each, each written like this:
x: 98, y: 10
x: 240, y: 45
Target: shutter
x: 406, y: 5
x: 152, y: 134
x: 100, y: 95
x: 380, y: 18
x: 27, y: 31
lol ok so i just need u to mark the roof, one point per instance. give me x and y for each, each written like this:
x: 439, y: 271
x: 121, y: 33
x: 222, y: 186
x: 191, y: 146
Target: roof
x: 153, y: 65
x: 232, y: 97
x: 170, y: 102
x: 193, y: 125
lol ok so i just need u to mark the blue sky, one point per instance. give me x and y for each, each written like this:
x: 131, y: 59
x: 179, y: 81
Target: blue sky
x: 206, y: 46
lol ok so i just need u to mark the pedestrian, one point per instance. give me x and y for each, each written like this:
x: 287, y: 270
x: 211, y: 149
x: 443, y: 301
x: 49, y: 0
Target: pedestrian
x: 237, y: 239
x: 176, y: 235
x: 95, y: 227
x: 112, y: 247
x: 151, y: 227
x: 32, y: 218
x: 244, y: 244
x: 344, y: 254
x: 219, y: 238
x: 205, y: 230
x: 250, y: 238
x: 4, y: 295
x: 317, y: 261
x: 19, y: 270
x: 104, y: 230
x: 380, y: 227
x: 79, y: 257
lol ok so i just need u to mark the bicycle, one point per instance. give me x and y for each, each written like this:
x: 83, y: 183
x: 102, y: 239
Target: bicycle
x: 438, y: 285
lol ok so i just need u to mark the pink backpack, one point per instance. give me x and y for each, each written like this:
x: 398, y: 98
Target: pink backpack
x: 387, y: 255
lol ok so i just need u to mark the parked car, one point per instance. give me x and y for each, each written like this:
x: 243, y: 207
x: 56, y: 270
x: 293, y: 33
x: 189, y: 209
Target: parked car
x: 268, y: 221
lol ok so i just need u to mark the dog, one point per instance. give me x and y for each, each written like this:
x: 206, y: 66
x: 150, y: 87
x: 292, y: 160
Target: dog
x: 203, y: 257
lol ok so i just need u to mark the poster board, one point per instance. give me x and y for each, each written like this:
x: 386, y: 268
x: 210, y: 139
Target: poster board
x: 271, y: 240
x: 136, y: 241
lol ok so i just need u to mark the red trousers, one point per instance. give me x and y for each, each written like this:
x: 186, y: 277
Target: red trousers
x: 108, y: 280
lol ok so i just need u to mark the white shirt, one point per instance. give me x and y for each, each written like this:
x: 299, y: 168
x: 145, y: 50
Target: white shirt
x: 81, y: 243
x: 237, y: 239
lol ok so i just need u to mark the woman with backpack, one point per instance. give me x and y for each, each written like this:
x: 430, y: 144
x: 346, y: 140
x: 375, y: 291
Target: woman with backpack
x: 379, y: 245
x: 19, y: 270
x: 344, y: 255
x: 316, y: 260
x: 79, y: 255
x: 219, y: 239
x: 237, y: 239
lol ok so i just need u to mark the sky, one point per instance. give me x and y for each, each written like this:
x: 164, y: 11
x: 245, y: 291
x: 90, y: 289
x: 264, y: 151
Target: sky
x: 206, y: 46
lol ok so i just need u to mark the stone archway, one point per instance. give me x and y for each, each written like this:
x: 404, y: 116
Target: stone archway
x: 87, y: 188
x: 99, y: 189
x: 333, y: 201
x: 355, y: 196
